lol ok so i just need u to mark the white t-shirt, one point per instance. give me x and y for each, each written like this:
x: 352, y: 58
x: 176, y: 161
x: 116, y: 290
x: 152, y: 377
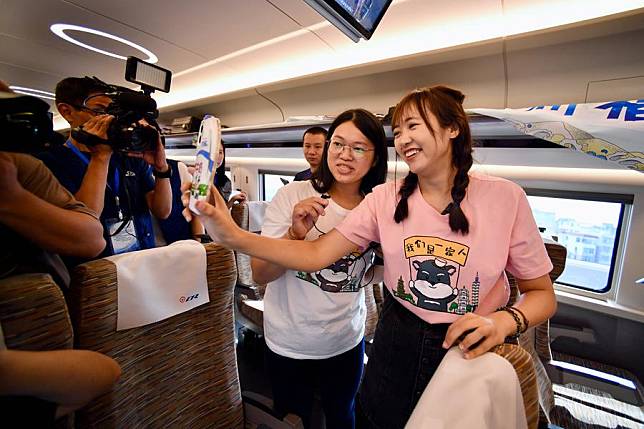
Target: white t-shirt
x: 314, y: 315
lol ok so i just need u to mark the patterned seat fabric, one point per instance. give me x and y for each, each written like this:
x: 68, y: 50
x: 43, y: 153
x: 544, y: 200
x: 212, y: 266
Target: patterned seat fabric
x: 246, y: 289
x: 522, y: 362
x: 536, y: 341
x: 239, y: 213
x: 372, y: 312
x: 34, y: 317
x: 33, y: 313
x: 179, y: 372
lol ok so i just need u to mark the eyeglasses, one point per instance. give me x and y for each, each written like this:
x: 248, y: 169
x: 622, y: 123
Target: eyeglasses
x: 357, y: 152
x: 95, y: 111
x: 99, y: 110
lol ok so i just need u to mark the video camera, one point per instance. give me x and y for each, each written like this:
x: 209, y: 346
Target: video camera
x: 26, y: 125
x: 128, y: 107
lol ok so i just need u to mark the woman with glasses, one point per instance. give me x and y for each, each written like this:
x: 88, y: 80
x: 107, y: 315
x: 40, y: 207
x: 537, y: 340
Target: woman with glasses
x: 314, y: 322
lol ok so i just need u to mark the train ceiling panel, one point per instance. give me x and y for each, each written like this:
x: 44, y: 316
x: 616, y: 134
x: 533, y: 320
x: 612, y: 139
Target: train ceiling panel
x: 218, y: 47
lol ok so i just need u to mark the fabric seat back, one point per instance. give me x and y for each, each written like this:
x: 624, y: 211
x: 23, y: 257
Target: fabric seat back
x: 179, y: 372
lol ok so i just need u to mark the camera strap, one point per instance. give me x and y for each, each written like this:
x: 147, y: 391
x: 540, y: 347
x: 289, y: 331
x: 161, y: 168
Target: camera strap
x: 116, y: 181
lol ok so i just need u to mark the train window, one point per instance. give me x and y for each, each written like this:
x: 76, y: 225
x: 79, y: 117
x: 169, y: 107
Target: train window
x: 271, y: 181
x: 589, y: 226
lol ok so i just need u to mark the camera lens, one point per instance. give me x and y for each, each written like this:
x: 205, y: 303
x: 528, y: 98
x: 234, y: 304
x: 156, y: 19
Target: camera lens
x: 142, y: 138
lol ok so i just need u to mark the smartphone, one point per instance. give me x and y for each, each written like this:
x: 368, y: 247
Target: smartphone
x: 208, y: 143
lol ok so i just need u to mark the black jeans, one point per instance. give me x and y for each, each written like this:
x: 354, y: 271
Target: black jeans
x: 405, y: 354
x: 337, y: 378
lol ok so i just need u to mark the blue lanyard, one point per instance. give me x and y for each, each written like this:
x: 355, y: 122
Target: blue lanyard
x: 84, y: 158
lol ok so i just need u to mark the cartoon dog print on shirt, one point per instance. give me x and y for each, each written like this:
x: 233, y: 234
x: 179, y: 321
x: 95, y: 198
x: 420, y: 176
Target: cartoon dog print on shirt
x: 344, y: 275
x: 432, y: 286
x: 340, y: 274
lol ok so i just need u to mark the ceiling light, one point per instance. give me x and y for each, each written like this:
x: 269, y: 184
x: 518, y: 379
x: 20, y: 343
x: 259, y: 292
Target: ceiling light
x: 34, y: 92
x: 59, y: 30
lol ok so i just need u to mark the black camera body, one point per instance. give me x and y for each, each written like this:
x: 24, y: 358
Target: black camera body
x: 125, y: 133
x: 25, y: 123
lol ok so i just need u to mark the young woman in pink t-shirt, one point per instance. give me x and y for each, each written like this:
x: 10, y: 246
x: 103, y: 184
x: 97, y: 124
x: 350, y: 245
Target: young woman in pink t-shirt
x: 447, y: 237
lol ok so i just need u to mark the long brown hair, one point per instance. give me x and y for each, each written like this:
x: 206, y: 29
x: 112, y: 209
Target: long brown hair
x: 446, y: 104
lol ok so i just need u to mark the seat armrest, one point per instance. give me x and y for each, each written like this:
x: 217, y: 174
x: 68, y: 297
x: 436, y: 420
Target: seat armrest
x: 259, y: 412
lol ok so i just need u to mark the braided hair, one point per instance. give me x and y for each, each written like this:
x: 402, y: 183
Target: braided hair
x: 446, y: 104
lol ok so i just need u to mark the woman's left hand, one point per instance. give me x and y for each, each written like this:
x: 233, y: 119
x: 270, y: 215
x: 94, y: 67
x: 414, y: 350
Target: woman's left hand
x: 487, y: 331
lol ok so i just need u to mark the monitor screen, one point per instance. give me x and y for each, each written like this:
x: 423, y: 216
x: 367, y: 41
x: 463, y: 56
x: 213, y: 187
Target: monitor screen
x: 361, y: 16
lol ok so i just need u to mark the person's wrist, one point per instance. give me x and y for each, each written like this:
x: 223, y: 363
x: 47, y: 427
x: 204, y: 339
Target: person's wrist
x: 101, y: 156
x: 161, y: 167
x: 163, y: 172
x: 506, y: 323
x: 290, y: 234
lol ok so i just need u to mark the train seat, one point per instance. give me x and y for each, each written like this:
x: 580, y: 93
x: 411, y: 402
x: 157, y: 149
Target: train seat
x: 498, y: 395
x: 536, y: 341
x: 34, y: 317
x: 178, y: 372
x: 248, y: 293
x: 33, y: 313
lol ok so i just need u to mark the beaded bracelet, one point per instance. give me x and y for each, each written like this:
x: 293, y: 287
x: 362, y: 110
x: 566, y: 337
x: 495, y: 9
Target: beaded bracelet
x: 526, y: 324
x: 515, y: 316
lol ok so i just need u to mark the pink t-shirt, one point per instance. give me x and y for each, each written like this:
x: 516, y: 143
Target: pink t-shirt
x: 439, y: 274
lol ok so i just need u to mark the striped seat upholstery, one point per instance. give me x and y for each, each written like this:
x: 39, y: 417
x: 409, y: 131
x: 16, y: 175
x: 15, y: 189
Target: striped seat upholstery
x: 33, y: 313
x: 372, y: 312
x: 523, y: 365
x: 247, y: 288
x: 34, y: 317
x: 239, y: 213
x: 536, y: 341
x: 179, y: 372
x: 379, y: 296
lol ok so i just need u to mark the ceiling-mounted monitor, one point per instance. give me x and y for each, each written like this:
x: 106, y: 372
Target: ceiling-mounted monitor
x: 355, y: 18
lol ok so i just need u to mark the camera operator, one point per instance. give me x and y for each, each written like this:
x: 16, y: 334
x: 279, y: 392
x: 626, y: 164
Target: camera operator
x: 38, y: 217
x: 118, y: 185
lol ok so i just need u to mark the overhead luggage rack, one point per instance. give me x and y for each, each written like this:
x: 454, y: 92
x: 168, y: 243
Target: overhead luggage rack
x: 486, y: 132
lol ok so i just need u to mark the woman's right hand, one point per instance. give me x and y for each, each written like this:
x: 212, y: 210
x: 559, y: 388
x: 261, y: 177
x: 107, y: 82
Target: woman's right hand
x: 305, y: 214
x: 214, y: 215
